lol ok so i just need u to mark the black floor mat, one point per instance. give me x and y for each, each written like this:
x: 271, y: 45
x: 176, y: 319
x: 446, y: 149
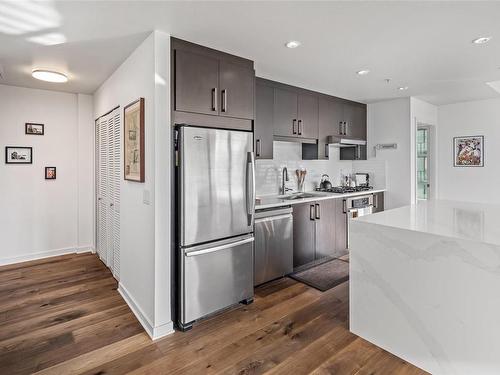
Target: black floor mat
x: 324, y: 276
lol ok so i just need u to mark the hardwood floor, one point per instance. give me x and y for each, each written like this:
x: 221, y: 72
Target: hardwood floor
x: 63, y: 315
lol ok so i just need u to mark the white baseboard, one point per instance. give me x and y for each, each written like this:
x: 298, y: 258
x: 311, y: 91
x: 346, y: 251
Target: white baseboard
x: 42, y: 254
x: 154, y: 332
x: 85, y: 249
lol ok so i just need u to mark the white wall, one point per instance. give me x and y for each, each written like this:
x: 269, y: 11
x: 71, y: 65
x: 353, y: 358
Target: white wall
x: 389, y: 122
x: 144, y: 209
x: 473, y: 184
x: 46, y: 217
x: 86, y: 165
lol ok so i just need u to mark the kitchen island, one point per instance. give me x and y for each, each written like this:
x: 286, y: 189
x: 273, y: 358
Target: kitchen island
x: 425, y: 282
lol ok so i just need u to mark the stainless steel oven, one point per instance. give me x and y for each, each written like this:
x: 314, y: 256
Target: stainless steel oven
x: 357, y: 206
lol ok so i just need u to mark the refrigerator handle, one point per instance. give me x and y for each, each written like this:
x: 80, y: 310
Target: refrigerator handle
x: 250, y: 187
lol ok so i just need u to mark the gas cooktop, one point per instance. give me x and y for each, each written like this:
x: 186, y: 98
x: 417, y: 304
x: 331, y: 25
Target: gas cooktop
x: 345, y: 189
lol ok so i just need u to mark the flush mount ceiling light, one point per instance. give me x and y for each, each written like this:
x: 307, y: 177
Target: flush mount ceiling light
x: 482, y: 40
x: 495, y: 85
x: 362, y: 72
x: 403, y: 88
x: 49, y: 76
x: 292, y: 44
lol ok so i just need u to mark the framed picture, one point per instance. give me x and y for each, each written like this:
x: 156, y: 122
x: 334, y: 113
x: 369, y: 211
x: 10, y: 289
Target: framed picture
x: 32, y: 128
x: 468, y: 151
x: 133, y: 123
x: 50, y: 173
x: 18, y: 155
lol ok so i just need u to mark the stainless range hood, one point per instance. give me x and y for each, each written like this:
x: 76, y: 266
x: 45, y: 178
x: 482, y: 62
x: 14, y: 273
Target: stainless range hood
x: 350, y: 148
x: 344, y: 142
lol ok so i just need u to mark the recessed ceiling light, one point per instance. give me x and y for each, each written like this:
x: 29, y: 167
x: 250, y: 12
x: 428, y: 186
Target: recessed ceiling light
x: 403, y: 88
x: 363, y: 72
x: 482, y: 40
x: 49, y: 76
x: 293, y: 44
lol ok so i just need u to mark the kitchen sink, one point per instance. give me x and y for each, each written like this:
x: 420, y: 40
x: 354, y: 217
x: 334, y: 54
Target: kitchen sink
x: 299, y: 196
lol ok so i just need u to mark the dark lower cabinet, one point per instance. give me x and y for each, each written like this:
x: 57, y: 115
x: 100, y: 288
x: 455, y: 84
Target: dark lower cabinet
x: 196, y: 82
x: 340, y: 227
x: 303, y: 234
x: 325, y: 228
x: 378, y: 202
x: 263, y: 127
x: 315, y: 233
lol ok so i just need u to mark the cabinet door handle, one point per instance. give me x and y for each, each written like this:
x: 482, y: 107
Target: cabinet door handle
x: 341, y: 127
x: 317, y: 212
x: 214, y: 99
x: 300, y: 127
x: 293, y: 126
x: 257, y: 147
x: 345, y: 127
x: 311, y: 212
x: 224, y: 100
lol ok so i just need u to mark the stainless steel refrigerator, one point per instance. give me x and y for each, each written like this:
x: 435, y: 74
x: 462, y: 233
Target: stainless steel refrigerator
x: 216, y: 206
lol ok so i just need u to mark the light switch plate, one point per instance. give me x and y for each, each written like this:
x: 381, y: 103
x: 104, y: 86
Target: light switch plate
x: 146, y: 196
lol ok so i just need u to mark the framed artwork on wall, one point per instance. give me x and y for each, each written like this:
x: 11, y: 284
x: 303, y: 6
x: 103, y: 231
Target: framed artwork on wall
x: 18, y: 155
x: 133, y: 141
x: 34, y: 129
x: 50, y: 173
x: 468, y: 151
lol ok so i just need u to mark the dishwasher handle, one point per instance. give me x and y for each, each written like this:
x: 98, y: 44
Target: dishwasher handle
x: 272, y: 218
x: 261, y: 214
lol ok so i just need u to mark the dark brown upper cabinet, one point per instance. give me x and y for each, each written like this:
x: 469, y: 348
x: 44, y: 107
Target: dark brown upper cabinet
x: 196, y: 82
x: 331, y: 117
x: 307, y: 122
x: 308, y: 117
x: 295, y: 114
x: 355, y: 120
x: 211, y: 88
x: 236, y: 90
x: 285, y: 113
x: 263, y: 127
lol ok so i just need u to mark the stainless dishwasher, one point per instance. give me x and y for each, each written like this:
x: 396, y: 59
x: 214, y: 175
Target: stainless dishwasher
x: 273, y: 244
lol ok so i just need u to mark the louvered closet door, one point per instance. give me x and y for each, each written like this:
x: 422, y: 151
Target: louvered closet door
x: 102, y: 189
x: 108, y: 178
x: 114, y: 131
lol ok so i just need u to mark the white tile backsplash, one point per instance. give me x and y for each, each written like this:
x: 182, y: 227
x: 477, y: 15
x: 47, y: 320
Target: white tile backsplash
x: 289, y: 154
x: 375, y: 168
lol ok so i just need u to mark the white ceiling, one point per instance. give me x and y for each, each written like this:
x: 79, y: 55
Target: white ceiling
x: 423, y: 45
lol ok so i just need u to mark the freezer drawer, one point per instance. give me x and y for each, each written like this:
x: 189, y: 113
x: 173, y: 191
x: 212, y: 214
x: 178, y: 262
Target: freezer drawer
x: 273, y: 244
x: 215, y: 276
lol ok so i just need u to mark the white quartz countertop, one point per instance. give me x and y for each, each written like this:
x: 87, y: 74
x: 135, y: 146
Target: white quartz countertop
x: 472, y: 221
x: 270, y: 201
